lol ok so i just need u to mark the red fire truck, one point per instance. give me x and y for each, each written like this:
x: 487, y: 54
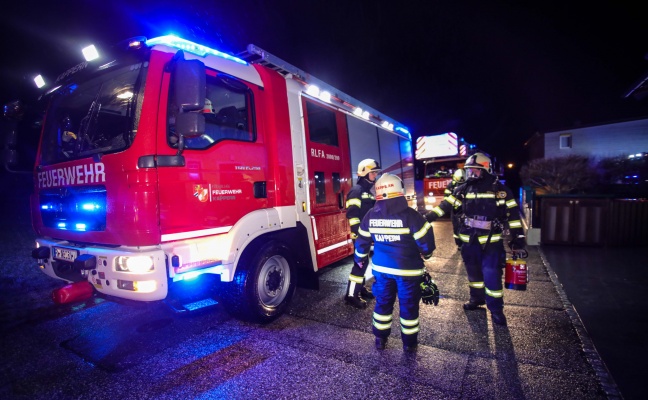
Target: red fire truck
x: 164, y: 160
x: 438, y: 157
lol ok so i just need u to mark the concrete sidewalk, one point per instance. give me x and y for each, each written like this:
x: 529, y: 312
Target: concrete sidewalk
x: 543, y: 353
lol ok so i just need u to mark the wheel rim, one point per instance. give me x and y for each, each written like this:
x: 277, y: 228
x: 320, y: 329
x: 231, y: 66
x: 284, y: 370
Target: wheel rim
x: 274, y: 281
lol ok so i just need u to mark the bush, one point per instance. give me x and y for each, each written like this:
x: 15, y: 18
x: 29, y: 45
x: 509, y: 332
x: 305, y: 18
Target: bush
x: 624, y: 170
x: 561, y: 175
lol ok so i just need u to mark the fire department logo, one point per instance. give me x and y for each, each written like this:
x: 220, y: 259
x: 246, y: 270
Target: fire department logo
x: 201, y: 193
x: 501, y: 195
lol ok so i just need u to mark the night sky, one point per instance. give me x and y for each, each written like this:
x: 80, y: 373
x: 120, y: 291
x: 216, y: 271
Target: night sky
x: 494, y: 72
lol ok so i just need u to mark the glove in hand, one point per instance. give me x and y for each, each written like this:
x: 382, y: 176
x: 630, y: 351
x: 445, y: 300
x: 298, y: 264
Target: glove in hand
x: 431, y: 216
x: 430, y: 291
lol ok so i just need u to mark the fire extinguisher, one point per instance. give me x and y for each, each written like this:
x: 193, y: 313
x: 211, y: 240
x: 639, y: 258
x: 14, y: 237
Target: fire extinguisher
x: 516, y: 274
x: 73, y: 292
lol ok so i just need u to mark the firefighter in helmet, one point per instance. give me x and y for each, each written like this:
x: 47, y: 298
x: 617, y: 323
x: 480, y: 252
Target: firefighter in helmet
x: 360, y: 200
x: 458, y: 178
x: 401, y: 236
x: 486, y: 209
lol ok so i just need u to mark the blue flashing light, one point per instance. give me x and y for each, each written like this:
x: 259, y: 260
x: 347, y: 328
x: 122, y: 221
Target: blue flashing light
x: 191, y: 275
x: 90, y: 206
x: 406, y: 147
x: 80, y: 227
x: 402, y: 129
x: 61, y: 225
x: 191, y: 47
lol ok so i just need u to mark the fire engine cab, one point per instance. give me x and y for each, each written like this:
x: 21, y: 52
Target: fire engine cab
x: 163, y: 160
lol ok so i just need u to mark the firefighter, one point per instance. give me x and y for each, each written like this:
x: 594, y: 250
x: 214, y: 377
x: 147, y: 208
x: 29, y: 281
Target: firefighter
x: 360, y: 200
x: 486, y: 209
x: 458, y: 178
x: 400, y: 236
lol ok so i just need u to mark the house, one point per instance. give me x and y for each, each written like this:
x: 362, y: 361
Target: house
x: 617, y: 139
x: 599, y: 141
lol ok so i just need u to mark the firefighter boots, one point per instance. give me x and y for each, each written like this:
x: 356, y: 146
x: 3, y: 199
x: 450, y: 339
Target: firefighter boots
x: 410, y: 348
x: 366, y: 294
x: 473, y: 304
x: 381, y: 343
x: 356, y: 301
x: 498, y: 318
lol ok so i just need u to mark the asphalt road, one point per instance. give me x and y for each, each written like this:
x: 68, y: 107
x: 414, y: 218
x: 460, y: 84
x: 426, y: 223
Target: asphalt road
x: 321, y: 348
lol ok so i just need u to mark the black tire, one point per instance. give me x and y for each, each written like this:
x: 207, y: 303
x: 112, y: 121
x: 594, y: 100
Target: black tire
x: 263, y: 285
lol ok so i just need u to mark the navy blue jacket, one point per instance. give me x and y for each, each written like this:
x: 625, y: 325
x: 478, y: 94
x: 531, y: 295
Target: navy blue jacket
x: 400, y: 236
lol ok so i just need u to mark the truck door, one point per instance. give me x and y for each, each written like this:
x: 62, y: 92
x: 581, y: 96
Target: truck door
x: 225, y: 167
x: 329, y: 175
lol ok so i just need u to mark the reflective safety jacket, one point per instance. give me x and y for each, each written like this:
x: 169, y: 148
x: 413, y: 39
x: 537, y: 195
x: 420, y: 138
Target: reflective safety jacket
x: 359, y: 201
x: 400, y: 235
x: 486, y: 208
x: 450, y: 188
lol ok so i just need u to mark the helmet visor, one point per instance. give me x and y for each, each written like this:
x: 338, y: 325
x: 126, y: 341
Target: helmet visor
x: 473, y: 173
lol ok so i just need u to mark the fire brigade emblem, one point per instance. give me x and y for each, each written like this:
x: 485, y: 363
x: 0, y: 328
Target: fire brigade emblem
x: 501, y: 195
x: 201, y: 193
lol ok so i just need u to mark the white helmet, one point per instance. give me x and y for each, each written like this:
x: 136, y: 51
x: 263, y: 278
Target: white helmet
x: 207, y: 108
x: 459, y: 176
x: 389, y: 186
x: 368, y: 165
x: 479, y: 160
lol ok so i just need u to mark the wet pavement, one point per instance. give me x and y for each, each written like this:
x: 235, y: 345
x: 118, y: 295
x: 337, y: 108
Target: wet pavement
x: 321, y: 348
x: 607, y: 287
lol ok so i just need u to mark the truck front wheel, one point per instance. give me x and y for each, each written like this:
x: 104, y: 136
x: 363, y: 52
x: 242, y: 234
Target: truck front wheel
x: 263, y: 285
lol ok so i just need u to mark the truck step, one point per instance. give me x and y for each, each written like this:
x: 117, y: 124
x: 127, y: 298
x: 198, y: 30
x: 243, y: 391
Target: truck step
x: 182, y: 307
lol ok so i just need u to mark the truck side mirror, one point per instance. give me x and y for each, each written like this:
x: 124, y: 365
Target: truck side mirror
x: 190, y: 84
x: 190, y: 124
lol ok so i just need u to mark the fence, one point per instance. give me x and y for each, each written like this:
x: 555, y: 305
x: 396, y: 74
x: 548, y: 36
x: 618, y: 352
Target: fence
x: 587, y: 220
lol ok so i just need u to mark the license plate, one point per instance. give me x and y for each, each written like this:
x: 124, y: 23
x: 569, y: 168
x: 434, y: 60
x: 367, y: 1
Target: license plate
x: 64, y: 254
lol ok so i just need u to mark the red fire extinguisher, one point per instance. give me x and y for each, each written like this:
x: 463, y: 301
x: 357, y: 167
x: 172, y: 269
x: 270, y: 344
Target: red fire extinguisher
x: 73, y: 292
x: 516, y: 274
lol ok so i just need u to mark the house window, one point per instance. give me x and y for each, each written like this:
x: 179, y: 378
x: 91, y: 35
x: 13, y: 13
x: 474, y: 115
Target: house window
x: 566, y: 141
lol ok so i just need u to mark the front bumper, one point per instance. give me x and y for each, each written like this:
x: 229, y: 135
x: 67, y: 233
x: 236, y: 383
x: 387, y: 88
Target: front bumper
x: 98, y: 265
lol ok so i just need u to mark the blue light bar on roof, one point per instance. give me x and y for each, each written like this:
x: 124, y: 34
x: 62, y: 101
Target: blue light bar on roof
x: 191, y: 47
x: 404, y: 130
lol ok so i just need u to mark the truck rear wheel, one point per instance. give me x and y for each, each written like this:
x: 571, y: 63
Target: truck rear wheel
x: 263, y: 285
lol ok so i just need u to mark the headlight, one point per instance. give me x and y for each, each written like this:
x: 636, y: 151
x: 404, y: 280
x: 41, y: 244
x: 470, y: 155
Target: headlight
x: 136, y: 264
x: 430, y: 199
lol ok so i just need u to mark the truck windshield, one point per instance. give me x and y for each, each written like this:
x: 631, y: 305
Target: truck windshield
x: 440, y: 169
x: 98, y: 115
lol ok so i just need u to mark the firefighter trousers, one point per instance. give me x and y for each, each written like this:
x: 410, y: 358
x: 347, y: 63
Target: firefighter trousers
x: 484, y: 270
x: 408, y: 290
x: 356, y: 280
x: 456, y: 225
